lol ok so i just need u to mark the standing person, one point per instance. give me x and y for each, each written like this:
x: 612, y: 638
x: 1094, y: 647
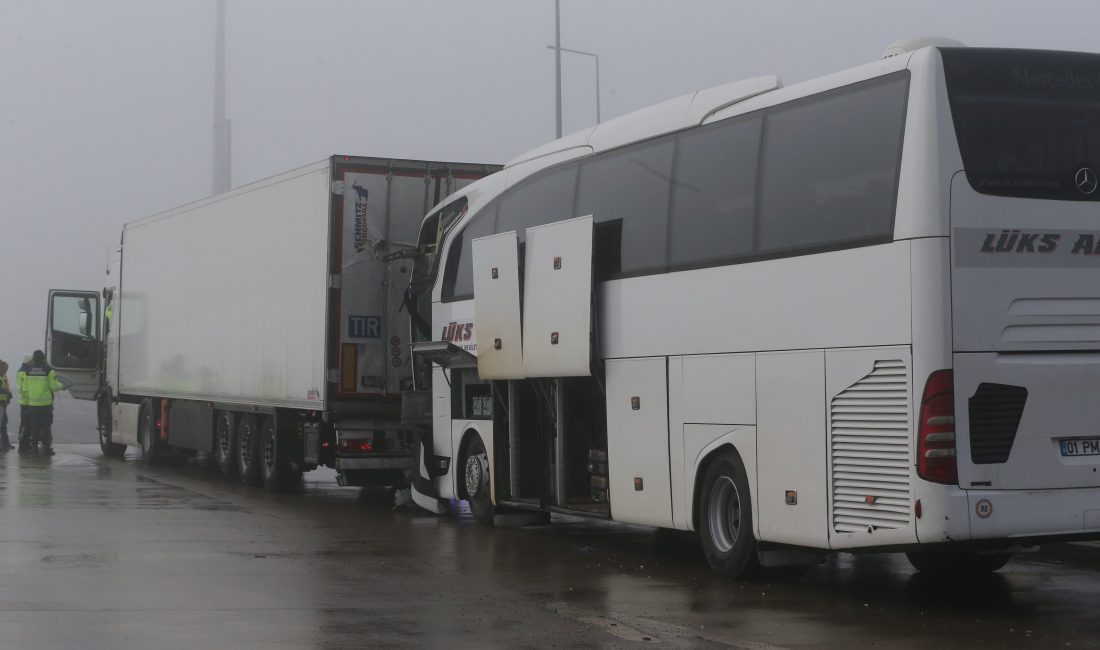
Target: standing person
x: 5, y: 397
x: 23, y: 435
x: 40, y: 383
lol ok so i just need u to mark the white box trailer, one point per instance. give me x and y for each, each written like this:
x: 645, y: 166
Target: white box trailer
x: 264, y: 325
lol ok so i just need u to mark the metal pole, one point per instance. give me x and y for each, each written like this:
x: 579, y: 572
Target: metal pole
x: 597, y: 89
x: 561, y: 472
x: 513, y: 440
x: 221, y: 131
x: 557, y: 59
x: 594, y: 56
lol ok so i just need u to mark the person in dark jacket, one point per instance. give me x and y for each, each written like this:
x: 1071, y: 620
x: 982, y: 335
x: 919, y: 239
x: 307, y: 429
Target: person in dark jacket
x: 5, y: 398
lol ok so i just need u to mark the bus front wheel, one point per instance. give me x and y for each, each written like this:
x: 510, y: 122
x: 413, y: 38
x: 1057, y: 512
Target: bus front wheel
x: 724, y: 516
x: 475, y: 481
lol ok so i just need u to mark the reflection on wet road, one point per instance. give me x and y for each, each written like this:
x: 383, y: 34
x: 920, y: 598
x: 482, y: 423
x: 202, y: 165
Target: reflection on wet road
x: 112, y: 554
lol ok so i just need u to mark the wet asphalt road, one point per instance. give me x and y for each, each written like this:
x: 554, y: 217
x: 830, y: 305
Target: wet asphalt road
x: 98, y: 553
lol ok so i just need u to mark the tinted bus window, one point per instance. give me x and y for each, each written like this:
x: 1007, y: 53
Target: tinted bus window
x: 830, y: 167
x: 458, y: 280
x: 1027, y: 121
x: 424, y: 266
x: 627, y: 193
x: 713, y: 193
x: 546, y: 198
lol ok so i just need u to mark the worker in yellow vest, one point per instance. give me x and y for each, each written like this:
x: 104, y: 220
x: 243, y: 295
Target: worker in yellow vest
x: 39, y: 383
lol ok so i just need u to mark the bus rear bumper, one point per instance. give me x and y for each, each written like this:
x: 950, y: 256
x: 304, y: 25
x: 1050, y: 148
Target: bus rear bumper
x: 1019, y: 514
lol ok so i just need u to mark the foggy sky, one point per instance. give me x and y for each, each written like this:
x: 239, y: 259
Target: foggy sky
x: 106, y: 106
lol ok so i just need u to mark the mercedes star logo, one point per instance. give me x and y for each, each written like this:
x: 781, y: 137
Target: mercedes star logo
x: 1086, y: 180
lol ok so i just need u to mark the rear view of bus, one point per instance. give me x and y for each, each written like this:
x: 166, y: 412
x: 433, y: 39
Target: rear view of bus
x: 1025, y: 295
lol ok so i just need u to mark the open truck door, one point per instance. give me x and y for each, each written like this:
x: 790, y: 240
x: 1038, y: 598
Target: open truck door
x: 73, y: 340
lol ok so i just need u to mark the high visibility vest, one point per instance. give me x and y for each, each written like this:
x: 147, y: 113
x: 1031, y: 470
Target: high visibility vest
x: 39, y: 384
x: 19, y: 377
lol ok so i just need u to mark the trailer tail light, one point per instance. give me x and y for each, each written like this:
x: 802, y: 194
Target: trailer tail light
x: 936, y: 459
x: 356, y: 446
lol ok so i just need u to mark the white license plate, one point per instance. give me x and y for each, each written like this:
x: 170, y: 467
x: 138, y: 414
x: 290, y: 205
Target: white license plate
x: 1081, y: 447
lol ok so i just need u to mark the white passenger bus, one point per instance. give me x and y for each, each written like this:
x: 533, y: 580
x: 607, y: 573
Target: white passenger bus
x: 860, y: 312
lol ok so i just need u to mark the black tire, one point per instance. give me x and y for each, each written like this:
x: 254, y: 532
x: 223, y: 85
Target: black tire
x: 148, y: 436
x: 248, y: 450
x: 475, y: 481
x: 225, y: 442
x: 957, y: 562
x: 103, y: 412
x: 724, y: 515
x: 277, y: 471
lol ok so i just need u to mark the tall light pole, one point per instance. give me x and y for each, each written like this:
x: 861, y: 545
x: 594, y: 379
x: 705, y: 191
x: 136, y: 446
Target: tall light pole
x: 557, y: 58
x: 221, y: 171
x: 594, y: 56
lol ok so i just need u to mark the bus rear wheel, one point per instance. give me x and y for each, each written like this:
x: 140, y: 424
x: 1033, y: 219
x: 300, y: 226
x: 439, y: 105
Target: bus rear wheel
x: 475, y: 481
x: 724, y: 516
x: 957, y: 562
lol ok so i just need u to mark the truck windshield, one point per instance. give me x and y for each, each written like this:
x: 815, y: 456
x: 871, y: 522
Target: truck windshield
x: 1027, y: 121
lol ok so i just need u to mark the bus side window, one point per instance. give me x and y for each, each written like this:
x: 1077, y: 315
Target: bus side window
x: 830, y: 167
x: 544, y: 198
x: 714, y: 192
x: 458, y: 278
x: 630, y: 185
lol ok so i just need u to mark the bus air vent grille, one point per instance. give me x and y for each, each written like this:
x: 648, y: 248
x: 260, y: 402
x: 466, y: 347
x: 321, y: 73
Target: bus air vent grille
x: 869, y: 452
x: 995, y: 411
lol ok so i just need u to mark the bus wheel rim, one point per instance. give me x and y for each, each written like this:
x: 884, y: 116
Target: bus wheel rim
x: 473, y: 476
x: 724, y: 514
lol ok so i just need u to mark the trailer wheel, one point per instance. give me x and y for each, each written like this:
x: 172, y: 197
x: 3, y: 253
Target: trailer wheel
x: 248, y: 450
x: 724, y: 515
x: 475, y: 481
x: 103, y: 412
x: 278, y: 472
x: 957, y: 562
x: 225, y: 442
x: 147, y: 434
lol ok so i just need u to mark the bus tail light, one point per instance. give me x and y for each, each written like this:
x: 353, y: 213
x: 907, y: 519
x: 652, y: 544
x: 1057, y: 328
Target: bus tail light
x: 936, y: 430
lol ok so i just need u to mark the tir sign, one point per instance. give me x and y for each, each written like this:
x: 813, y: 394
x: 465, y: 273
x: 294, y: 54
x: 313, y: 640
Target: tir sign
x: 364, y: 327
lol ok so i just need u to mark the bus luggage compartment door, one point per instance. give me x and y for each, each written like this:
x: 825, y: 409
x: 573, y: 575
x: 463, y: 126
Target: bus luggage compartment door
x: 557, y: 299
x: 497, y: 307
x: 637, y: 441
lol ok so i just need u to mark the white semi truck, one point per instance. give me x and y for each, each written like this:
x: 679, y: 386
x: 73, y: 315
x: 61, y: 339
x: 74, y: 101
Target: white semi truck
x: 264, y: 326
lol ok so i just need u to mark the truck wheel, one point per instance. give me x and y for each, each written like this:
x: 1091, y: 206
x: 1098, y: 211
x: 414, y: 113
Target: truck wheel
x: 475, y: 481
x: 103, y: 412
x: 277, y: 471
x: 724, y: 515
x: 225, y: 442
x: 147, y: 434
x: 957, y: 562
x: 248, y: 450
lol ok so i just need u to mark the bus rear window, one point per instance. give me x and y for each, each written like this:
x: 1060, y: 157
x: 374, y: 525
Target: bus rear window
x: 1027, y: 121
